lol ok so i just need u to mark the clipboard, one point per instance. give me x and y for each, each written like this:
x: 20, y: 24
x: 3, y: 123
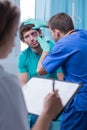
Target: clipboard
x: 37, y: 88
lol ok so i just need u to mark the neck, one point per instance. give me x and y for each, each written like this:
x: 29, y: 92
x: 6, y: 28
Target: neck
x: 70, y: 32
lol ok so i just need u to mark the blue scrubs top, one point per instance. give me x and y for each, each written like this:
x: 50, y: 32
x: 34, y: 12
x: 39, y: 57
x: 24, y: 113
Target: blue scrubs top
x: 70, y: 52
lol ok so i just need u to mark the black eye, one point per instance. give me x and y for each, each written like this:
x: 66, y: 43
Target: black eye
x: 34, y: 34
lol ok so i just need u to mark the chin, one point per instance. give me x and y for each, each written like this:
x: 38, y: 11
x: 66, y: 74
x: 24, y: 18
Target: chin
x: 35, y: 46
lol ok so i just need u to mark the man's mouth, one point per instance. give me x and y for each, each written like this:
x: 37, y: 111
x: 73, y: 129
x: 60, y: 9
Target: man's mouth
x: 34, y: 43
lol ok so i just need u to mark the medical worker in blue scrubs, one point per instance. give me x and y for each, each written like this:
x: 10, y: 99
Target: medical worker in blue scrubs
x: 70, y: 52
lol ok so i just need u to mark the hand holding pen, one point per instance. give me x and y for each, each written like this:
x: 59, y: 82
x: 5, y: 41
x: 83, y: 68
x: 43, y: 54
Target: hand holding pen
x: 52, y: 105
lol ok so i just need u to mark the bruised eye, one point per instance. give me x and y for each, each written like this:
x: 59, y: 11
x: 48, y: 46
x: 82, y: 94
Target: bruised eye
x: 34, y: 34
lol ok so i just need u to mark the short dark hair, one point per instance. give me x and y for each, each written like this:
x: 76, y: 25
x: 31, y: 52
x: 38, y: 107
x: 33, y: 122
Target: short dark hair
x: 24, y: 28
x: 61, y: 21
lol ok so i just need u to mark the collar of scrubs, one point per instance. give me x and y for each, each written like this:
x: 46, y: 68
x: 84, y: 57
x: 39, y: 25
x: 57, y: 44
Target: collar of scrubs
x: 70, y: 32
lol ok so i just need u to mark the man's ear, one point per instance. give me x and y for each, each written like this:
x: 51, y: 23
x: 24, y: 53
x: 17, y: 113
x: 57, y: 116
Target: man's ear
x: 57, y: 32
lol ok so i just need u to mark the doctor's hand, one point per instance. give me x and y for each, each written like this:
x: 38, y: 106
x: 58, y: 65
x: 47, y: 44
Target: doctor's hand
x: 37, y: 23
x: 44, y: 44
x: 52, y: 105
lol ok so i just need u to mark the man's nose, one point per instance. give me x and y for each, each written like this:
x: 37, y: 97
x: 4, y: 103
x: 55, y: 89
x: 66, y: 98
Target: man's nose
x: 31, y: 38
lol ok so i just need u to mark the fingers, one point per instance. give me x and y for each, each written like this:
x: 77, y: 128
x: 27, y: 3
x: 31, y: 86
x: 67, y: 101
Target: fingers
x: 53, y: 104
x: 55, y: 92
x: 29, y: 21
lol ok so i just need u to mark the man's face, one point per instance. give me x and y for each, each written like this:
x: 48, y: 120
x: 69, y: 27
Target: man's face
x: 55, y: 35
x: 30, y: 38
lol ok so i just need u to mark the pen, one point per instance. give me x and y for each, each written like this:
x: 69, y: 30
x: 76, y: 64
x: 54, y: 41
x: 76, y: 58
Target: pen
x: 53, y: 85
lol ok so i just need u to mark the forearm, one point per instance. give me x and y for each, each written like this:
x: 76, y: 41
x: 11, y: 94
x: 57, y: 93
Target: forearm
x: 23, y: 77
x: 40, y: 69
x: 43, y: 122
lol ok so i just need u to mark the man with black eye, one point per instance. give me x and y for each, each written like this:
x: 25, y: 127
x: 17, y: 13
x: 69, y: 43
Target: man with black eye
x: 30, y: 57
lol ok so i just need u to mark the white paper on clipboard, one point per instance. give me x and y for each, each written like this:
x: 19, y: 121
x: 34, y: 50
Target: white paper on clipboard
x: 37, y: 88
